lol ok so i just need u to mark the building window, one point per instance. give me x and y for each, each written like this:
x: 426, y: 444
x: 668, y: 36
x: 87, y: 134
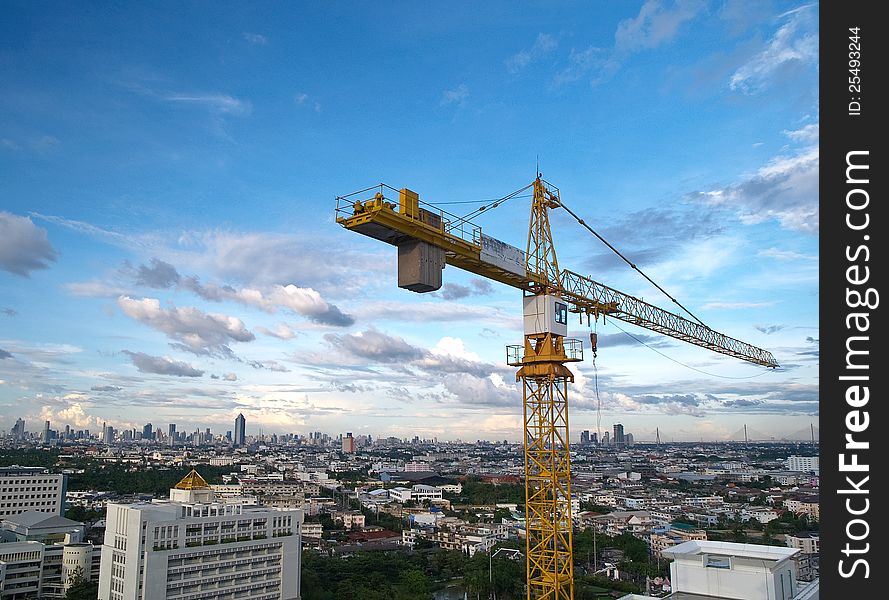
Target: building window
x: 717, y: 562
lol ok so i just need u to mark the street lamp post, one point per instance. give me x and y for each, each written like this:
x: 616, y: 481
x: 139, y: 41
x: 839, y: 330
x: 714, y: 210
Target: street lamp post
x: 491, y: 555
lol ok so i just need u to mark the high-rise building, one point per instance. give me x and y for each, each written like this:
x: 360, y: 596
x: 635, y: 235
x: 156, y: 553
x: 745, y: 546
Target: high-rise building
x: 349, y: 444
x: 172, y: 434
x: 31, y: 488
x: 585, y: 437
x: 148, y: 431
x: 619, y: 439
x: 606, y: 438
x: 18, y: 430
x: 108, y: 434
x: 594, y: 438
x: 46, y: 432
x: 628, y: 438
x: 240, y: 430
x: 193, y: 546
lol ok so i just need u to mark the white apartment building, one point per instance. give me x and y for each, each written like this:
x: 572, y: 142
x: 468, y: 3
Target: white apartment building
x: 192, y: 547
x: 761, y: 514
x: 807, y: 543
x: 312, y: 530
x: 803, y: 464
x: 418, y: 493
x: 31, y: 488
x: 804, y: 506
x: 349, y: 518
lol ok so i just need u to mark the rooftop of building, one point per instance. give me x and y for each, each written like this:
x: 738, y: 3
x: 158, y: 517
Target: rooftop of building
x: 13, y: 470
x: 698, y: 547
x: 805, y: 534
x: 33, y: 518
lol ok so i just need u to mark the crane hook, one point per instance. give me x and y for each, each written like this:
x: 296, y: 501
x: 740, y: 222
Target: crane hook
x: 594, y: 340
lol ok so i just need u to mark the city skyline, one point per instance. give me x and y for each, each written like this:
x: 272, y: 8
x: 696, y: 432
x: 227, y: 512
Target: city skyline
x: 149, y: 431
x: 169, y: 255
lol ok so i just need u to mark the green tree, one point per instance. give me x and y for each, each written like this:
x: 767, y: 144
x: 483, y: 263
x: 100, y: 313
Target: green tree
x: 82, y: 589
x: 412, y: 585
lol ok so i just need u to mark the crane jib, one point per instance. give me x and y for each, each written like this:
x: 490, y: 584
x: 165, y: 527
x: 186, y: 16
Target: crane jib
x: 466, y: 247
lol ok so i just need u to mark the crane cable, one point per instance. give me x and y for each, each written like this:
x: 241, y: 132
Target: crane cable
x: 626, y: 260
x: 764, y: 371
x: 598, y: 400
x: 468, y: 217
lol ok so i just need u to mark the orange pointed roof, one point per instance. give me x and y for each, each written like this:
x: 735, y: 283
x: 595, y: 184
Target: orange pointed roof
x: 192, y: 481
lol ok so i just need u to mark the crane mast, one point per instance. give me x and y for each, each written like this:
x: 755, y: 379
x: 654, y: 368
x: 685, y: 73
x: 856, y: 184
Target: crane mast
x: 544, y: 377
x: 428, y: 239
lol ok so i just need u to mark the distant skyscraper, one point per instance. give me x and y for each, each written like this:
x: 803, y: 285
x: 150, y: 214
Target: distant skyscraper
x: 172, y: 434
x: 594, y: 438
x: 240, y: 430
x: 108, y: 434
x: 628, y: 438
x: 606, y: 438
x: 349, y: 444
x: 619, y: 439
x: 46, y: 432
x: 148, y: 432
x: 18, y: 431
x: 585, y: 437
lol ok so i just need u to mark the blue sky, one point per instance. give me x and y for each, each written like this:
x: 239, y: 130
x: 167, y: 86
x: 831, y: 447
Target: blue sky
x: 168, y: 250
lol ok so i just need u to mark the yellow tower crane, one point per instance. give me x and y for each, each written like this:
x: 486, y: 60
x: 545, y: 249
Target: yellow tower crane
x: 428, y: 239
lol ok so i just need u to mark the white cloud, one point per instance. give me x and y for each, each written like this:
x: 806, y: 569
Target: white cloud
x: 457, y: 96
x: 282, y: 331
x: 73, y: 414
x: 215, y: 103
x: 196, y: 331
x: 736, y: 305
x: 543, y: 45
x: 472, y: 390
x: 94, y: 289
x: 303, y: 99
x: 808, y: 134
x: 786, y: 189
x: 162, y: 365
x: 376, y: 345
x: 24, y: 247
x: 657, y: 23
x: 304, y: 301
x: 262, y: 259
x: 794, y: 43
x: 779, y: 254
x: 256, y: 39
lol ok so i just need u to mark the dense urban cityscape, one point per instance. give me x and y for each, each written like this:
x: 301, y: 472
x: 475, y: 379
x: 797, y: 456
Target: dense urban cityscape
x: 321, y: 515
x: 298, y: 300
